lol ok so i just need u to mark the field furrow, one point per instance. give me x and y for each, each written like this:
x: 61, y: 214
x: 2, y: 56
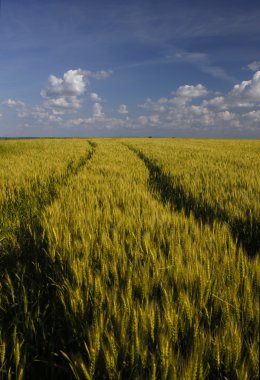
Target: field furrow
x: 204, y: 201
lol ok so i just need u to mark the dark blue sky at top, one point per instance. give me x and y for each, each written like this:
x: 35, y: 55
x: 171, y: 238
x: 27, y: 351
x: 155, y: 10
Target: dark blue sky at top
x: 151, y: 48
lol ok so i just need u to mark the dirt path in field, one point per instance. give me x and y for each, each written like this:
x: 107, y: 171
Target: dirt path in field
x: 246, y: 233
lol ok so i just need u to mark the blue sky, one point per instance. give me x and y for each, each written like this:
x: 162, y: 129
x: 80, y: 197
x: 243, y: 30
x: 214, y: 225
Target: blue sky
x: 114, y: 68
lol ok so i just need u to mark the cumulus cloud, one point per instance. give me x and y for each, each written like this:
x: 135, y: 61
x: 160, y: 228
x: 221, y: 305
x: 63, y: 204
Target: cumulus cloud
x: 61, y: 97
x: 199, y: 110
x: 154, y: 120
x: 253, y: 116
x: 254, y: 66
x: 190, y: 106
x: 63, y: 103
x: 64, y: 93
x: 187, y: 108
x: 13, y: 103
x: 94, y: 97
x: 122, y: 109
x: 102, y: 123
x: 143, y: 120
x: 243, y: 95
x: 226, y: 115
x: 73, y: 83
x: 248, y: 90
x: 38, y: 113
x: 189, y: 91
x: 97, y: 110
x: 184, y: 94
x: 157, y: 106
x: 217, y: 102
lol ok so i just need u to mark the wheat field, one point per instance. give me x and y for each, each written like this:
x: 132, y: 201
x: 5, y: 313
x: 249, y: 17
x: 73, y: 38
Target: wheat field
x: 129, y: 259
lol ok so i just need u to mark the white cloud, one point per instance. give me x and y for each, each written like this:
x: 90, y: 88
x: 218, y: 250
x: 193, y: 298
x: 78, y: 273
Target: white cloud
x: 249, y: 89
x: 75, y: 122
x: 42, y: 115
x: 97, y: 110
x: 199, y: 110
x: 101, y: 74
x: 94, y: 97
x: 226, y: 115
x: 186, y: 110
x: 101, y: 123
x: 13, y: 103
x: 38, y: 113
x: 162, y: 100
x: 157, y: 106
x: 154, y: 120
x: 143, y: 120
x: 73, y: 83
x: 63, y: 93
x: 188, y: 107
x: 243, y: 95
x: 253, y: 116
x: 189, y: 91
x: 184, y: 94
x: 63, y: 103
x: 122, y: 109
x: 254, y: 66
x: 217, y: 102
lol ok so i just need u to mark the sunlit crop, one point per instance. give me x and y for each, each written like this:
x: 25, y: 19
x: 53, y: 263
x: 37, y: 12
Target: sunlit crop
x: 129, y: 259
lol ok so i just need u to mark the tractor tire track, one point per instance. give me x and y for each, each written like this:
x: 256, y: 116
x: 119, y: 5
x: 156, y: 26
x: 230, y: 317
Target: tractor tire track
x: 245, y: 232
